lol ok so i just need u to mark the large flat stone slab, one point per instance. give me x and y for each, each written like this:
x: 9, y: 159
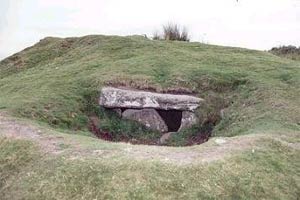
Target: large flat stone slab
x: 122, y: 98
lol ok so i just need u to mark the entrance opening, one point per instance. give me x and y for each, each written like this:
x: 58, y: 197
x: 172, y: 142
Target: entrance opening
x: 172, y: 119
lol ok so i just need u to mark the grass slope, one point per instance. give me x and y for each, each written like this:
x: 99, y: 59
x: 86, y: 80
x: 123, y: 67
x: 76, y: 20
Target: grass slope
x: 57, y: 80
x: 269, y: 172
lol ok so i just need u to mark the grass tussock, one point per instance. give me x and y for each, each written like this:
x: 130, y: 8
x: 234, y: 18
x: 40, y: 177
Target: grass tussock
x: 173, y: 32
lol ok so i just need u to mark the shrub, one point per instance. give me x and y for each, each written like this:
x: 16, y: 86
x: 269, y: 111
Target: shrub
x: 289, y: 51
x: 156, y: 36
x: 172, y: 32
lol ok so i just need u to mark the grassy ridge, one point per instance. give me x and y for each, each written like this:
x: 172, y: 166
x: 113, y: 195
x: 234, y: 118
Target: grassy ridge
x: 269, y: 172
x: 57, y: 80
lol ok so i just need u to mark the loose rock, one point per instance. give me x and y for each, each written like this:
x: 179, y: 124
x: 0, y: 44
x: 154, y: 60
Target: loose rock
x: 165, y: 137
x: 220, y: 141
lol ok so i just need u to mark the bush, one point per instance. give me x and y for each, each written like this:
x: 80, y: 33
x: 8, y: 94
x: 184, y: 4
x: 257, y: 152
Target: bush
x: 172, y: 32
x: 285, y: 50
x: 290, y: 51
x: 156, y: 36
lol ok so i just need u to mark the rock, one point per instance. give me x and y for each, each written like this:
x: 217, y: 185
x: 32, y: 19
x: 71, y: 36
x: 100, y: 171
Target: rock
x: 188, y: 119
x: 220, y: 141
x: 222, y: 113
x: 121, y: 98
x: 148, y: 117
x: 165, y: 137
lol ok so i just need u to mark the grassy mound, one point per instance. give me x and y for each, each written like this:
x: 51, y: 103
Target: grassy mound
x: 58, y: 81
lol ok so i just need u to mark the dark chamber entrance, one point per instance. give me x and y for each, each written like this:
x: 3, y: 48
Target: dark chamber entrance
x: 172, y: 119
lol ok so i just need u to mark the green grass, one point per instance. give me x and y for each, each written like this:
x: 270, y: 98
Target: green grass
x: 271, y: 171
x: 126, y: 130
x: 58, y: 80
x: 14, y: 156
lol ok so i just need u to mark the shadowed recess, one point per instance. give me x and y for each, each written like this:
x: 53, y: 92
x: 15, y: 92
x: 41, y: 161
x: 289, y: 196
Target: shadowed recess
x: 172, y: 119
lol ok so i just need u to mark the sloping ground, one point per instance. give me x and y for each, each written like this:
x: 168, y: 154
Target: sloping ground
x: 51, y: 143
x: 57, y: 81
x: 40, y: 163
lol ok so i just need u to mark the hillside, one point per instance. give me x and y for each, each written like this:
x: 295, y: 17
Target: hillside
x: 56, y: 80
x: 56, y: 84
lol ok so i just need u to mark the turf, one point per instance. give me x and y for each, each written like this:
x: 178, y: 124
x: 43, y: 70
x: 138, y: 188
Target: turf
x: 58, y: 80
x: 269, y: 172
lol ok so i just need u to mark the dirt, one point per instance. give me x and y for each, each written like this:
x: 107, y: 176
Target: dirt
x: 95, y: 129
x: 50, y: 143
x: 200, y: 137
x: 149, y: 87
x: 12, y: 128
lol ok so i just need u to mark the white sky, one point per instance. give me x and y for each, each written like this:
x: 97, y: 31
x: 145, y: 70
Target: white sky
x: 256, y: 24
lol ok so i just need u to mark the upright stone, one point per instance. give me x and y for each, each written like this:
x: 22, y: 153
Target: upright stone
x: 148, y: 117
x: 188, y: 119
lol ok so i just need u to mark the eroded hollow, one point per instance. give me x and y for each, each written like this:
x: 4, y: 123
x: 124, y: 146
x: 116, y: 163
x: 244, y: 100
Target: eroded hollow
x: 188, y: 127
x: 112, y: 127
x: 172, y: 119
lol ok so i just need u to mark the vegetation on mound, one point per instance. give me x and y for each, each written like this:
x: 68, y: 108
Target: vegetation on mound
x: 109, y: 126
x: 14, y: 156
x: 290, y: 52
x: 58, y: 81
x: 268, y: 172
x: 172, y: 32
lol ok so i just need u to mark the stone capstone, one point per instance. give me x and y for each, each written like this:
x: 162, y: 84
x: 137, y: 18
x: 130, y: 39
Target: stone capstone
x: 122, y: 98
x: 161, y: 112
x: 148, y: 117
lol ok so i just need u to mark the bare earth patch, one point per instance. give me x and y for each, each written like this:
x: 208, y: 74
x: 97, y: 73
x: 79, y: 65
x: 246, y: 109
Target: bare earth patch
x: 13, y: 128
x: 215, y: 149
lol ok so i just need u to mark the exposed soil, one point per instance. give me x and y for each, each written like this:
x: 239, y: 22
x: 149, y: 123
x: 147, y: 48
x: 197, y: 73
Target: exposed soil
x: 10, y: 127
x: 51, y: 142
x: 95, y: 129
x: 197, y: 138
x: 150, y: 87
x: 202, y: 136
